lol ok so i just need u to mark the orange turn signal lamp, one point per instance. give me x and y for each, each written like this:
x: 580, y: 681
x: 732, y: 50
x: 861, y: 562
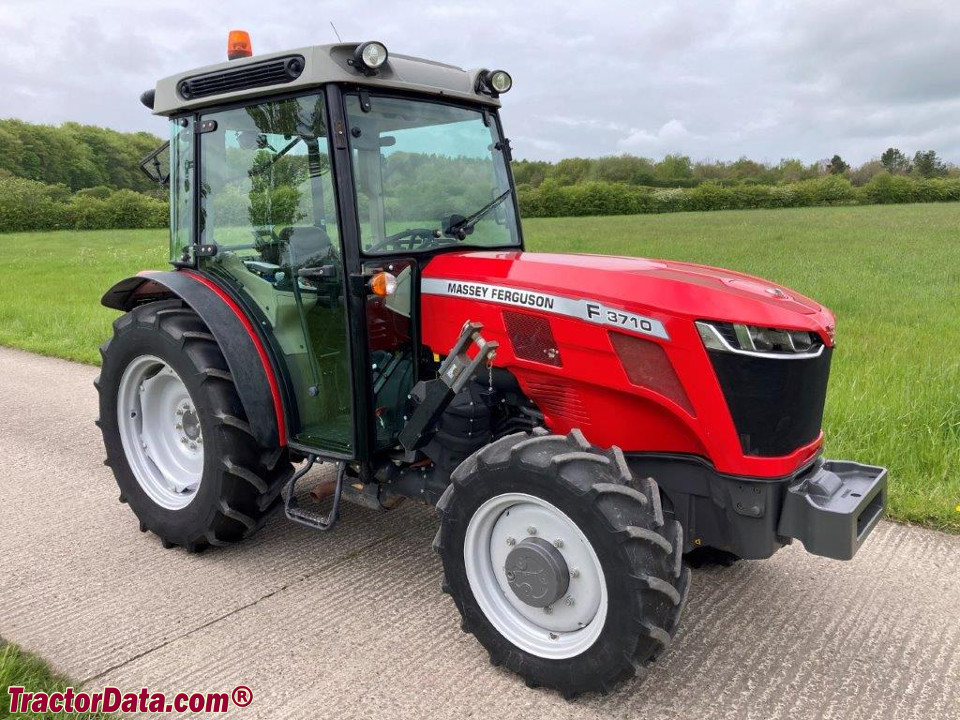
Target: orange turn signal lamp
x: 383, y: 284
x: 238, y: 45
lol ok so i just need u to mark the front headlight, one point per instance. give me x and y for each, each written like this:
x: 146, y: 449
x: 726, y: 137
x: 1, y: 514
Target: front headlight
x: 759, y: 341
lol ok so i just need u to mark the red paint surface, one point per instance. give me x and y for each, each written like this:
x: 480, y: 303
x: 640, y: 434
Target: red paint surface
x: 591, y: 390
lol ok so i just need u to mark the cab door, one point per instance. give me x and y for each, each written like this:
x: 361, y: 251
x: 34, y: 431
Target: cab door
x: 268, y: 207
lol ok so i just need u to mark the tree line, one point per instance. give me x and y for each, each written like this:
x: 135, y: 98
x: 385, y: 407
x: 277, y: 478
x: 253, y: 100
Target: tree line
x: 85, y: 177
x: 680, y: 171
x: 76, y: 156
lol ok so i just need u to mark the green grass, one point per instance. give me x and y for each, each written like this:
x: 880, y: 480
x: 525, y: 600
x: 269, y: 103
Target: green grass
x: 51, y: 284
x: 30, y: 672
x: 891, y: 274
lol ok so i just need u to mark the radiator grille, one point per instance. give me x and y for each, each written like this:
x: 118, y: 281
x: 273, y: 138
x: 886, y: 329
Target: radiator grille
x: 532, y: 338
x: 271, y: 72
x: 776, y: 404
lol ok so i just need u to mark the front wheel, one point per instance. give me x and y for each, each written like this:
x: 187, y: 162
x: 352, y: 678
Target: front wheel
x: 559, y: 562
x: 176, y: 435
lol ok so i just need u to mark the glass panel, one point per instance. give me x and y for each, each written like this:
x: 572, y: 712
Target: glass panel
x: 390, y: 336
x: 420, y: 169
x: 269, y: 207
x: 181, y: 186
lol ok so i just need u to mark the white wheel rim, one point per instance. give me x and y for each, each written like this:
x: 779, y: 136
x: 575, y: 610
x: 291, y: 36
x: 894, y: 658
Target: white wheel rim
x: 567, y: 630
x: 160, y: 431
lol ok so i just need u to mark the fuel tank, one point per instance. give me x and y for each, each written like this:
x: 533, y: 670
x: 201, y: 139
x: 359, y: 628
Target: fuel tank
x: 610, y: 345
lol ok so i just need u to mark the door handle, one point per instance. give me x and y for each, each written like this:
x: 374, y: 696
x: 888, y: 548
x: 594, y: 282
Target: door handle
x: 320, y: 272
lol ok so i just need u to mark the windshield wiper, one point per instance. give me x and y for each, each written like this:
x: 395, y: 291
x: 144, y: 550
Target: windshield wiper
x: 275, y: 159
x: 464, y: 227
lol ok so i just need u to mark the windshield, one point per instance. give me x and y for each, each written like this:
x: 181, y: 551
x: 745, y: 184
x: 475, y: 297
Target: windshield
x: 428, y: 175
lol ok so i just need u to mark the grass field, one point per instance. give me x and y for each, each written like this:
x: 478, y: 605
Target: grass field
x: 18, y: 668
x: 891, y: 273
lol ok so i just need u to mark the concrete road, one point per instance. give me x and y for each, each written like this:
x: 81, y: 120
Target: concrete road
x: 352, y: 624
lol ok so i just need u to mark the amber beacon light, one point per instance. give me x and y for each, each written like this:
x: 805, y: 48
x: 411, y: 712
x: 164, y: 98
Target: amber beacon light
x: 238, y: 45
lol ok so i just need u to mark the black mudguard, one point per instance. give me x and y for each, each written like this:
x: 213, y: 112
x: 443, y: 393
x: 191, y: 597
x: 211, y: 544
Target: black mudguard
x: 262, y: 399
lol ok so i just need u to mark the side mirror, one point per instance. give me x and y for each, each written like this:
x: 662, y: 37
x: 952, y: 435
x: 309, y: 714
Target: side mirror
x: 156, y: 165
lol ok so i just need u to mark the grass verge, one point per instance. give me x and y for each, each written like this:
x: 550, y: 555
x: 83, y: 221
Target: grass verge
x: 18, y: 668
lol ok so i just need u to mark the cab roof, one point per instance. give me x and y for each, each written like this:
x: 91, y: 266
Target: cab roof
x: 309, y: 67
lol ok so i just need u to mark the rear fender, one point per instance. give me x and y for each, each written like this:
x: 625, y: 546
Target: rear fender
x: 253, y: 367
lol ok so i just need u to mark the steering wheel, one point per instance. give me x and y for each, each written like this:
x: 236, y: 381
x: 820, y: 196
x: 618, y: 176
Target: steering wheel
x: 404, y: 240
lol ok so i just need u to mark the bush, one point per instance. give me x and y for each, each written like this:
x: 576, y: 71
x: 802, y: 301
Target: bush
x: 101, y: 192
x: 886, y: 188
x: 551, y: 199
x: 129, y: 209
x: 86, y: 212
x: 27, y: 205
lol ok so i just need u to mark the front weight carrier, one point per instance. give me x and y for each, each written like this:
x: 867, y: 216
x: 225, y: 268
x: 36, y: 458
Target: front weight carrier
x: 306, y: 517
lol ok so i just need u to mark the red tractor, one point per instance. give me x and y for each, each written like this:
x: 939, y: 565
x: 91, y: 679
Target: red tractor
x: 350, y: 286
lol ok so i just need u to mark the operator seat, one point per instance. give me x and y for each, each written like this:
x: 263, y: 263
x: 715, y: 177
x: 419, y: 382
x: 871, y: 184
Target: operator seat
x: 305, y: 246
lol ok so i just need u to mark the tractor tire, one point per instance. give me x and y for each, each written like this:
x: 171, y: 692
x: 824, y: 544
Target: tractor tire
x: 176, y: 435
x: 577, y: 509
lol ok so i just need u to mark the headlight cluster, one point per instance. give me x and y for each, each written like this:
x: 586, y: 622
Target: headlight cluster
x: 369, y: 57
x: 752, y: 340
x: 494, y: 82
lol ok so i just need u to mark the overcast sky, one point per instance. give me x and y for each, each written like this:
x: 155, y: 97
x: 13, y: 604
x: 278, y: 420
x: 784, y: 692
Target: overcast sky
x: 711, y: 79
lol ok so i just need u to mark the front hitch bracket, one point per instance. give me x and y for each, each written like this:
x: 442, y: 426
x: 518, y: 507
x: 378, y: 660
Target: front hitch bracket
x: 435, y: 395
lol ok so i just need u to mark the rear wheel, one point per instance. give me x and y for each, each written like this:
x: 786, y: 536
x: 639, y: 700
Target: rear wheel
x: 559, y: 562
x: 176, y: 435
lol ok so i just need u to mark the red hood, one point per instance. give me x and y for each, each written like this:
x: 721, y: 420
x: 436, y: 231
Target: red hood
x: 660, y: 287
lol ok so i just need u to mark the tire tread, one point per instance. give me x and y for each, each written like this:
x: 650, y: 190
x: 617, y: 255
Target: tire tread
x: 632, y: 512
x: 251, y: 477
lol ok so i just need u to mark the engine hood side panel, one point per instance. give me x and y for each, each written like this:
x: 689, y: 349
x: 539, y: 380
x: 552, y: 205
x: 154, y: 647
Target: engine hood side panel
x: 588, y: 297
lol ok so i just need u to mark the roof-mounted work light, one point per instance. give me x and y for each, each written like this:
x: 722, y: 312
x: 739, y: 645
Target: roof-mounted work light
x: 369, y: 57
x: 495, y: 82
x: 238, y: 45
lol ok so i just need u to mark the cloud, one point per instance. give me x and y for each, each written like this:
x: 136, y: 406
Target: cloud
x: 670, y: 135
x: 761, y: 78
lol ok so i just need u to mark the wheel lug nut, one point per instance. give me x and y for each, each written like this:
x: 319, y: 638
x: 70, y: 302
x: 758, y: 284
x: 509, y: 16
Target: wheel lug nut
x: 511, y: 541
x: 575, y: 573
x: 531, y: 530
x: 179, y: 426
x: 548, y: 610
x: 183, y: 440
x: 558, y: 543
x: 569, y: 600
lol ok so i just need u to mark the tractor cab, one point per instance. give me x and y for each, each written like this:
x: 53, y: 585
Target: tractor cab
x: 316, y: 197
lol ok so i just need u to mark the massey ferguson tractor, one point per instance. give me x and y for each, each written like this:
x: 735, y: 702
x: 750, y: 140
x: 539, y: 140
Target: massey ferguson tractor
x: 349, y: 285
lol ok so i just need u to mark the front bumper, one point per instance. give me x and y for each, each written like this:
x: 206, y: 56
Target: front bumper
x: 833, y: 508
